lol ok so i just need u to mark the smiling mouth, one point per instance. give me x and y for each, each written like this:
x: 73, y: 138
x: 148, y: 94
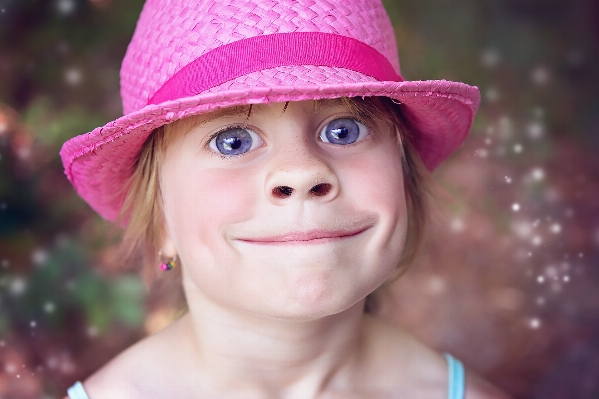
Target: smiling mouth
x: 306, y: 237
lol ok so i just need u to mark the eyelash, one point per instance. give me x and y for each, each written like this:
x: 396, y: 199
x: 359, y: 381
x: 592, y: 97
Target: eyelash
x: 224, y: 129
x: 367, y: 124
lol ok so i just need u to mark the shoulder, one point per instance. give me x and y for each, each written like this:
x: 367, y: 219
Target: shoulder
x: 120, y: 377
x: 401, y: 364
x: 417, y: 370
x: 479, y: 388
x: 143, y: 366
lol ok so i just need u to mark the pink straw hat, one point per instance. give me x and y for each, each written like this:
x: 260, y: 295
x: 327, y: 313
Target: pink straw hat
x: 194, y: 56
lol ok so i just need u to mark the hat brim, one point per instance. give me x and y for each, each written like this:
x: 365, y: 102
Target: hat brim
x: 100, y: 163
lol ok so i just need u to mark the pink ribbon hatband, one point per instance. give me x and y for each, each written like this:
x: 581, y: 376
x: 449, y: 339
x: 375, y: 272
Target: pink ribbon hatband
x: 245, y: 56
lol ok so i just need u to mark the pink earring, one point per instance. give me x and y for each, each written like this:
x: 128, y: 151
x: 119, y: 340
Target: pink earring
x: 166, y: 266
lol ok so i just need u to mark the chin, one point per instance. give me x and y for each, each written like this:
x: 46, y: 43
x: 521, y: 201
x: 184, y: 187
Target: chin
x: 312, y: 293
x: 301, y: 313
x: 313, y: 301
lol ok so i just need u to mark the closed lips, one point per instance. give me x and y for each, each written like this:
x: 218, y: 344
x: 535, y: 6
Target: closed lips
x: 306, y: 237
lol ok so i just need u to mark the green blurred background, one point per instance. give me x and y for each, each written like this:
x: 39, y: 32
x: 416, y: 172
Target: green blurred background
x: 507, y: 280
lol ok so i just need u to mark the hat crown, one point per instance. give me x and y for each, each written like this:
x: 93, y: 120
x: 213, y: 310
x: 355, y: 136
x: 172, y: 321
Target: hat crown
x: 172, y: 33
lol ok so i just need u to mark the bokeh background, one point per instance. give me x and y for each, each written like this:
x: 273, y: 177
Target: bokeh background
x: 508, y: 277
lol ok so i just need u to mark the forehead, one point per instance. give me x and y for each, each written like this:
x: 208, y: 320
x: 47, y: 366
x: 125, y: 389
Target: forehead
x: 249, y: 110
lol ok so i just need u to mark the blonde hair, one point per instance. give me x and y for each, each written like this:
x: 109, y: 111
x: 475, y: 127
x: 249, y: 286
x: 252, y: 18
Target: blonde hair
x: 142, y: 211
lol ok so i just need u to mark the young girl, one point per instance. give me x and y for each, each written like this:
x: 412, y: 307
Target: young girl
x: 272, y: 153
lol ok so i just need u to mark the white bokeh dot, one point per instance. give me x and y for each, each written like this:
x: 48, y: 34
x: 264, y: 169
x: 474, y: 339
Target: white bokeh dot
x: 536, y: 130
x: 73, y: 76
x: 490, y: 58
x: 65, y: 7
x: 49, y: 307
x: 457, y: 225
x: 18, y: 286
x: 534, y: 323
x: 538, y: 174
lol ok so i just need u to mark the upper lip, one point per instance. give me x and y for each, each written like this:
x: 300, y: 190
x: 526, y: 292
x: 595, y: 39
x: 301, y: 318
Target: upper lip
x: 309, y: 235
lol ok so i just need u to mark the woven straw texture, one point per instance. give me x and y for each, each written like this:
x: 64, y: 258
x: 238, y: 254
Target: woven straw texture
x: 172, y: 33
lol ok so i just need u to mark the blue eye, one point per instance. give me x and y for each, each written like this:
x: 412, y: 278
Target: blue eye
x: 343, y: 131
x: 235, y: 141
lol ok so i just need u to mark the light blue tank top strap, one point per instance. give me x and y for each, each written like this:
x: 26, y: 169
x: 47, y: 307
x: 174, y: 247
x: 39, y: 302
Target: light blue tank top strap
x: 77, y: 391
x: 457, y: 378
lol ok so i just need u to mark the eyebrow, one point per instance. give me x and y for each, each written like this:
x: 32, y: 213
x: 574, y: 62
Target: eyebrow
x: 225, y: 113
x: 328, y: 103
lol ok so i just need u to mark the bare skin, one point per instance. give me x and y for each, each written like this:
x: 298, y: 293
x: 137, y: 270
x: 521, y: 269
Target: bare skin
x: 282, y: 317
x: 390, y: 364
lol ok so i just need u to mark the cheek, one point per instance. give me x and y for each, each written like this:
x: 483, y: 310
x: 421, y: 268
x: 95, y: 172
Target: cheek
x: 377, y: 181
x: 199, y: 202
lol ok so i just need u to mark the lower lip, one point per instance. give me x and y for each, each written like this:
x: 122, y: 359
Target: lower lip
x: 306, y: 242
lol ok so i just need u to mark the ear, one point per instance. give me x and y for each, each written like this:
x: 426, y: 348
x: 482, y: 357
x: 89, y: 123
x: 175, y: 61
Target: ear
x: 167, y: 248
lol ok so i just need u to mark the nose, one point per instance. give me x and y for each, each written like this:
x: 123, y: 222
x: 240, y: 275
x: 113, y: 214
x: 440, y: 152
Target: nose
x: 301, y: 174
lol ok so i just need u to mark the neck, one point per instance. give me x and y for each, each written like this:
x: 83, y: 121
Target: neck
x: 273, y: 357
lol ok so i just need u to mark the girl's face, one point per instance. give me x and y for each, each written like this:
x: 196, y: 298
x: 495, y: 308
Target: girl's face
x: 294, y: 212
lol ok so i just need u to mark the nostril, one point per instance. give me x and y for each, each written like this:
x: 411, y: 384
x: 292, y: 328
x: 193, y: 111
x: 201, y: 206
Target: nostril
x: 282, y: 191
x: 321, y: 189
